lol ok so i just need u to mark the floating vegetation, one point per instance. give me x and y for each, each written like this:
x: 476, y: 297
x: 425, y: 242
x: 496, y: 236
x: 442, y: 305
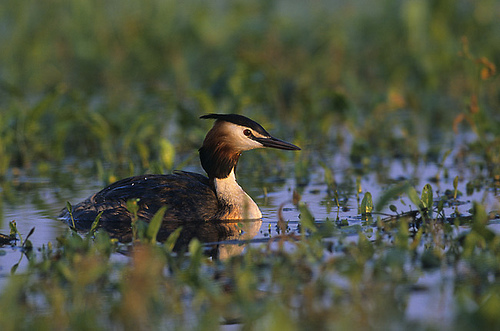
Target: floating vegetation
x: 388, y: 219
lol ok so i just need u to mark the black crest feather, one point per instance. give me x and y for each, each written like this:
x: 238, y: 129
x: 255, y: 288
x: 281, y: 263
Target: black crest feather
x: 239, y: 120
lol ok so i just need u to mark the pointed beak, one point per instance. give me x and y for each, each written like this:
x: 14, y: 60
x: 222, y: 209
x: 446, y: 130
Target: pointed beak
x: 276, y: 143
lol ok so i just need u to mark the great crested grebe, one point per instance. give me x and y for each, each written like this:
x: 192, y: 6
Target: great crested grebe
x: 189, y: 196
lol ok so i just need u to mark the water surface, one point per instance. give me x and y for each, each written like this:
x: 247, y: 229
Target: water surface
x: 36, y: 202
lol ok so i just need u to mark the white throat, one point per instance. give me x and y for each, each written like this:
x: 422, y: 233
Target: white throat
x: 239, y: 203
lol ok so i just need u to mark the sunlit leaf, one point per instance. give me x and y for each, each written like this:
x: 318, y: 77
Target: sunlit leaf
x: 427, y: 199
x: 427, y: 196
x: 366, y: 204
x: 13, y: 229
x: 155, y: 224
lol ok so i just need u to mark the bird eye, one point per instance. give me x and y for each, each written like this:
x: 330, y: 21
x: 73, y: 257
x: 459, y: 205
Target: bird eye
x: 247, y: 132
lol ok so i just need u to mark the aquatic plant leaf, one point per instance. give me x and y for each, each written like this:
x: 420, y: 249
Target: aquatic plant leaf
x: 196, y: 253
x: 172, y: 239
x: 13, y: 229
x: 68, y: 206
x: 30, y: 233
x: 455, y: 187
x: 14, y: 268
x: 133, y: 206
x: 367, y: 204
x: 155, y: 224
x: 95, y: 224
x: 391, y: 194
x: 337, y: 202
x: 26, y: 244
x: 70, y: 211
x: 440, y: 206
x: 427, y: 196
x: 412, y: 194
x: 480, y: 223
x: 427, y: 200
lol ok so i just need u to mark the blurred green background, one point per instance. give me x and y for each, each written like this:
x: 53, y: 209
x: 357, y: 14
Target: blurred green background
x: 123, y: 82
x: 105, y: 89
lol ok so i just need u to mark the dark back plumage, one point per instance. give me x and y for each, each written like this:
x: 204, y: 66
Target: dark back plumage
x: 189, y: 197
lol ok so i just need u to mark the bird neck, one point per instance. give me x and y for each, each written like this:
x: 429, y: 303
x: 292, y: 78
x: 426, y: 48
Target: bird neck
x: 236, y: 203
x: 218, y: 160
